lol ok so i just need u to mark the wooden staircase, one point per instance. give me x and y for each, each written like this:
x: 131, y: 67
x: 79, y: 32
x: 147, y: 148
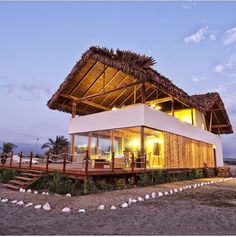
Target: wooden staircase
x: 25, y: 179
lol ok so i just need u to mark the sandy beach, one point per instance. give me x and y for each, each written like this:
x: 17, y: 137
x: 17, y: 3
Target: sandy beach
x: 207, y: 210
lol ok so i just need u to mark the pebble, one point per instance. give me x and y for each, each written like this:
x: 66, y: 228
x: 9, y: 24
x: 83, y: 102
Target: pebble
x: 171, y: 191
x: 166, y: 193
x: 81, y: 211
x: 66, y: 209
x: 134, y: 200
x: 140, y: 199
x: 153, y: 195
x: 113, y: 208
x: 37, y: 206
x: 46, y: 207
x: 14, y: 201
x: 29, y: 191
x: 101, y: 207
x: 29, y: 204
x: 4, y: 200
x: 175, y: 190
x: 68, y: 195
x: 124, y: 205
x: 160, y: 194
x: 147, y: 196
x: 20, y: 203
x: 35, y: 192
x: 181, y: 190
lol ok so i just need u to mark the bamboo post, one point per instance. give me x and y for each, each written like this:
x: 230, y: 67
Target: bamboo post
x: 132, y: 164
x: 145, y: 162
x: 11, y: 159
x: 86, y: 162
x: 47, y: 162
x: 21, y: 155
x: 64, y: 162
x: 113, y: 161
x: 31, y: 157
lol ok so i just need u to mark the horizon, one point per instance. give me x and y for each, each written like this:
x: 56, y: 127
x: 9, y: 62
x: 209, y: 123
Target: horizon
x: 42, y: 41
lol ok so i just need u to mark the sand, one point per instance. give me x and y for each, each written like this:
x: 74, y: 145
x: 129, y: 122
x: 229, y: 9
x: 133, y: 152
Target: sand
x: 207, y: 210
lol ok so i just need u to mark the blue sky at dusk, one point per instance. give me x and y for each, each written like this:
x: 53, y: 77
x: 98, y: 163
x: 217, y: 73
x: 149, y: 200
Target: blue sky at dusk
x: 194, y: 44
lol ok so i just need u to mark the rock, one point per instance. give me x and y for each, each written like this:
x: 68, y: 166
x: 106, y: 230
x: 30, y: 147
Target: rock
x: 23, y: 190
x: 140, y: 199
x: 147, y: 196
x: 130, y: 201
x: 29, y: 204
x: 160, y: 194
x: 46, y: 193
x: 181, y: 190
x: 124, y: 205
x: 171, y: 192
x: 4, y: 200
x: 43, y: 193
x: 46, y: 207
x: 166, y: 193
x: 68, y: 195
x: 66, y: 210
x: 101, y: 207
x: 81, y: 211
x: 14, y: 201
x: 113, y: 208
x: 35, y: 192
x: 37, y: 206
x: 175, y: 190
x: 20, y: 203
x: 29, y: 191
x: 153, y: 195
x: 134, y: 200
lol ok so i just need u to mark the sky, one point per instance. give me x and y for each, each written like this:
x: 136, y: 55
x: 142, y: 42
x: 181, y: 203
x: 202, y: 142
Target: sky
x: 193, y: 43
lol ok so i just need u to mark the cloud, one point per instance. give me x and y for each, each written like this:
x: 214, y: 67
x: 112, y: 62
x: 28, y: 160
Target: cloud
x: 190, y: 4
x: 230, y: 36
x: 198, y: 78
x: 212, y: 37
x: 198, y: 36
x: 224, y: 68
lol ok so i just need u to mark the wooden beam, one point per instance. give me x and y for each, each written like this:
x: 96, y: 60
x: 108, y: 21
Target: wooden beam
x: 161, y: 100
x: 95, y: 105
x: 73, y: 110
x: 172, y: 107
x: 220, y: 126
x: 210, y: 121
x: 143, y: 93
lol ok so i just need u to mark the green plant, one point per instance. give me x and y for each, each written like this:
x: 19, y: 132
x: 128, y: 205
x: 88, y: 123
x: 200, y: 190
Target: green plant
x: 61, y: 185
x: 120, y: 183
x: 42, y: 183
x: 7, y: 175
x: 144, y: 180
x: 103, y: 185
x: 131, y: 182
x: 197, y: 174
x: 91, y: 186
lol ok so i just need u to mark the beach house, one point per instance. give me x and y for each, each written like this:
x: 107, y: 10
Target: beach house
x: 126, y: 114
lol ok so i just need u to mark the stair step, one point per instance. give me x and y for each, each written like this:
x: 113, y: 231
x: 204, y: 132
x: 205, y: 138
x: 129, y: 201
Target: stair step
x: 11, y: 186
x: 17, y: 182
x: 30, y: 174
x: 36, y: 171
x: 24, y: 178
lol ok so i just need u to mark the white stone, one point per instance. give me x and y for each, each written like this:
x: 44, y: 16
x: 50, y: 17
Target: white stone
x: 68, y: 195
x: 66, y: 209
x: 20, y: 203
x: 23, y: 190
x: 46, y: 207
x: 147, y: 196
x: 37, y: 206
x: 113, y: 208
x: 175, y: 190
x: 4, y: 200
x: 29, y: 191
x: 171, y: 191
x: 124, y: 205
x: 130, y: 201
x: 101, y: 207
x: 153, y: 195
x: 81, y: 211
x: 46, y: 193
x: 29, y: 204
x: 140, y: 199
x: 14, y: 201
x: 180, y: 189
x: 35, y: 192
x: 166, y: 193
x: 43, y: 193
x: 134, y: 200
x: 160, y: 194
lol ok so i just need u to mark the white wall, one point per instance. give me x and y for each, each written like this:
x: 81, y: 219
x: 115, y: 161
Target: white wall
x: 143, y: 115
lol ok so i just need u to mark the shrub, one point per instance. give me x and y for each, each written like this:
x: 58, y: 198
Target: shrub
x: 144, y: 180
x: 91, y: 186
x: 7, y: 175
x: 197, y: 174
x: 61, y: 185
x: 42, y: 183
x: 103, y: 185
x: 131, y: 182
x: 120, y: 183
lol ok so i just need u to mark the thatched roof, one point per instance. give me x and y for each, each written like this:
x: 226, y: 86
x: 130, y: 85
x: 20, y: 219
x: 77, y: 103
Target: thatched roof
x: 213, y: 102
x: 106, y: 78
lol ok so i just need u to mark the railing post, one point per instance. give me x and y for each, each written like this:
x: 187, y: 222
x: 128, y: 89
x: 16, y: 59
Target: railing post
x: 132, y: 162
x: 11, y: 159
x: 3, y: 158
x: 86, y: 162
x: 112, y: 161
x: 145, y: 162
x: 47, y: 162
x: 31, y: 158
x: 21, y: 155
x: 64, y: 162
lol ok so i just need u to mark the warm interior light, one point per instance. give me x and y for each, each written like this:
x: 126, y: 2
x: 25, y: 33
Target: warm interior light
x: 114, y: 108
x: 153, y: 105
x: 158, y: 107
x: 135, y: 143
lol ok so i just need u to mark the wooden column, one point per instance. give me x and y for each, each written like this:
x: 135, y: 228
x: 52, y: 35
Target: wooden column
x: 72, y: 140
x: 210, y: 121
x: 143, y: 93
x: 112, y: 142
x: 142, y: 145
x: 192, y: 116
x: 31, y: 158
x: 172, y: 107
x: 135, y: 94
